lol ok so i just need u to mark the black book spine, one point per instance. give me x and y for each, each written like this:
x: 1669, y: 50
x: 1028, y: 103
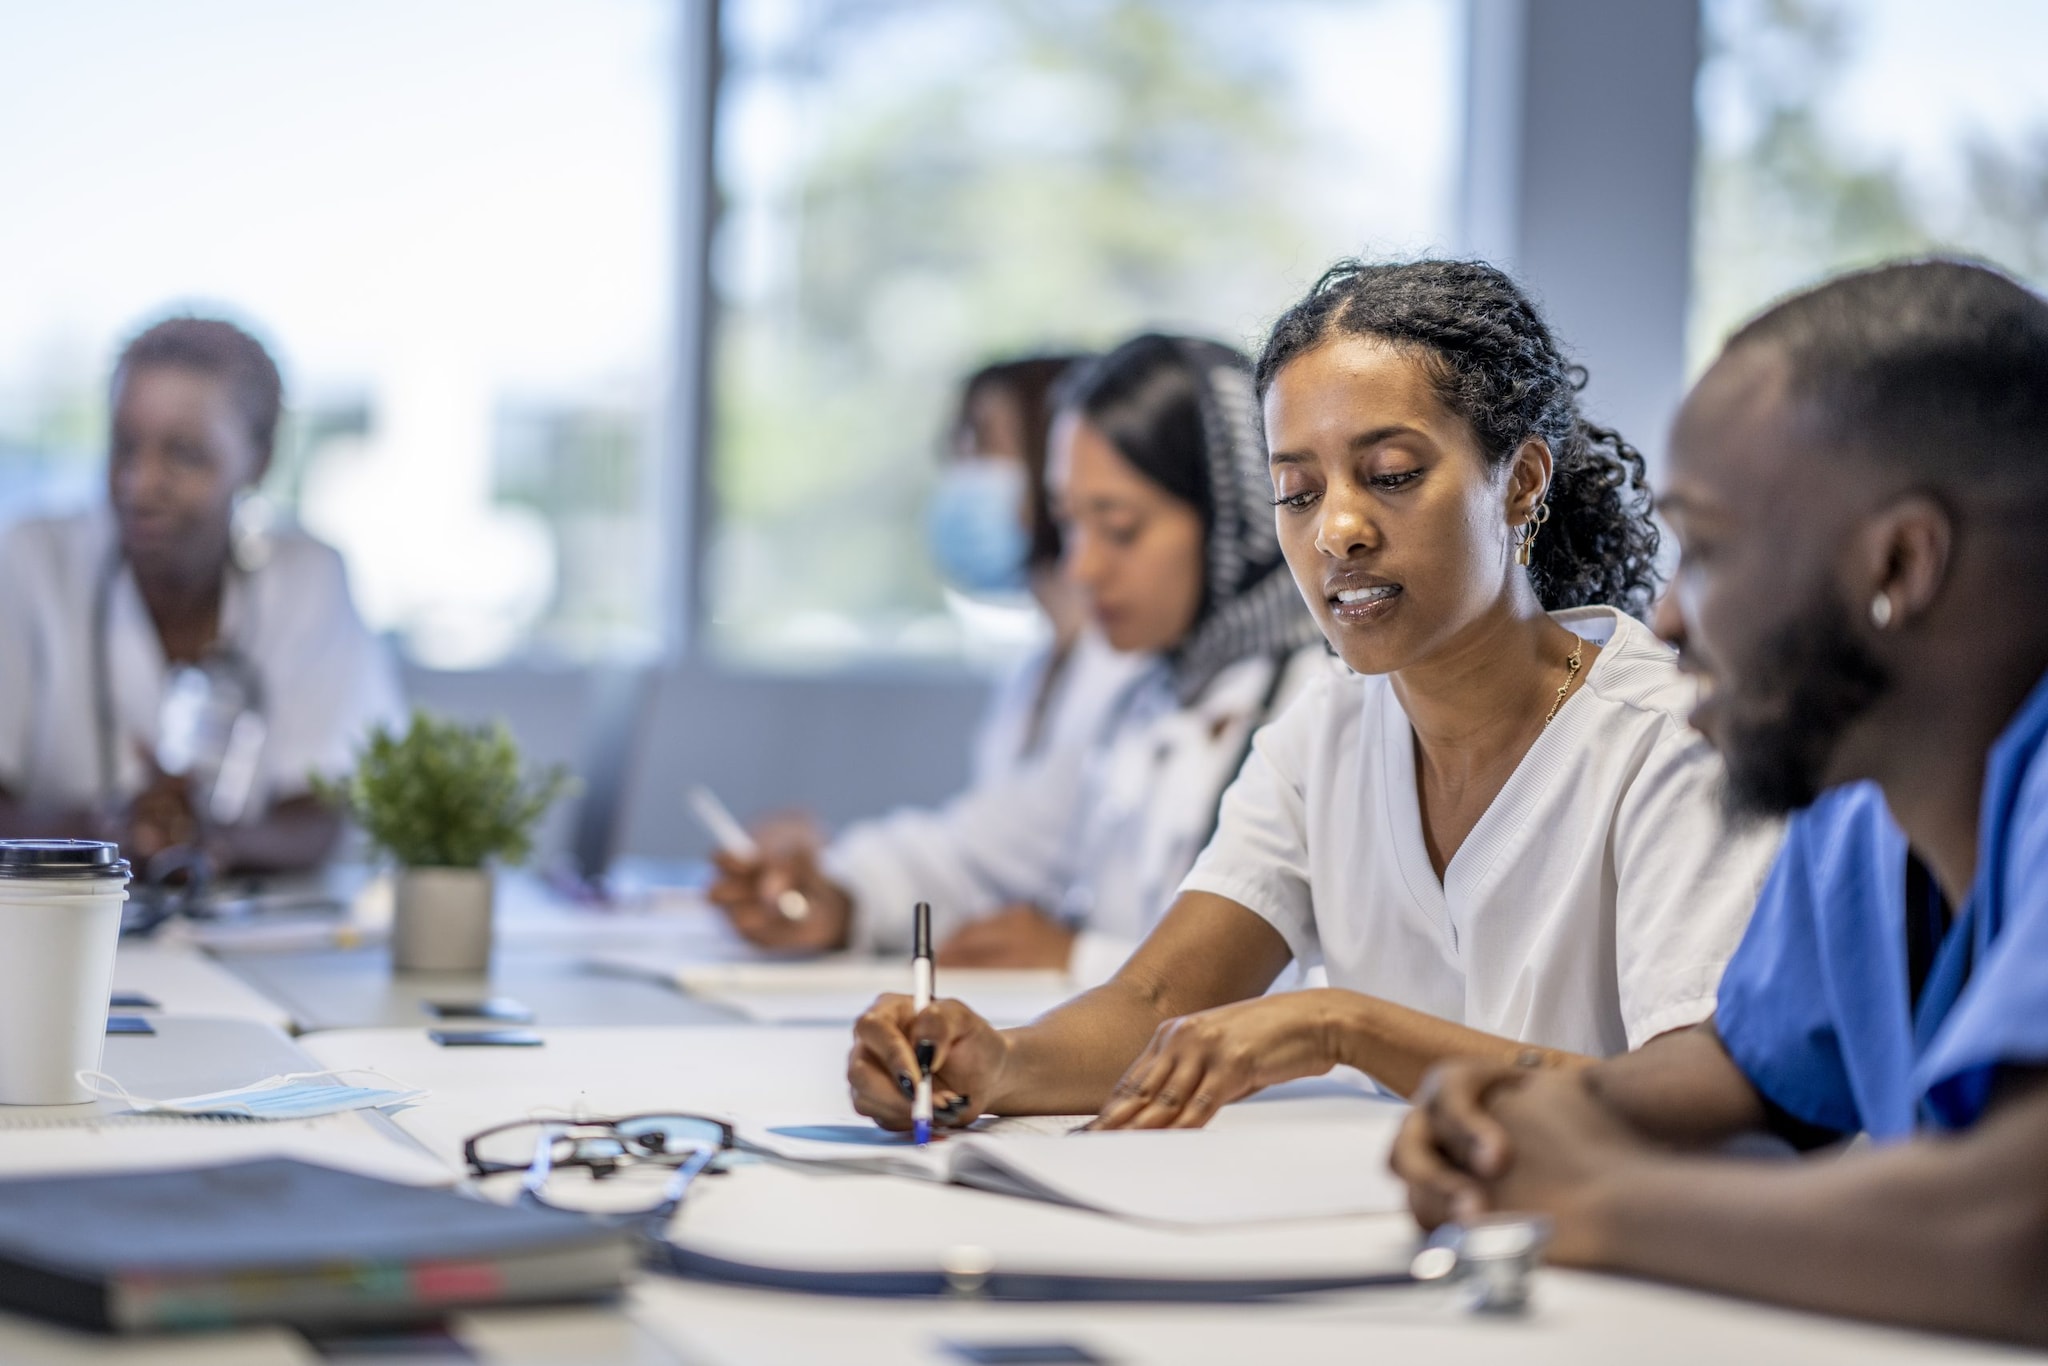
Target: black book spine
x: 58, y: 1295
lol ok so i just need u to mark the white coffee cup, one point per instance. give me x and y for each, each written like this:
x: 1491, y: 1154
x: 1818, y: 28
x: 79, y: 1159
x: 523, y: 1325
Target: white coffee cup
x: 60, y: 920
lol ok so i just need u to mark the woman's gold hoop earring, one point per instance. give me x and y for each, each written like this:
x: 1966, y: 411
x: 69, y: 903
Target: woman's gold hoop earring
x: 1527, y: 545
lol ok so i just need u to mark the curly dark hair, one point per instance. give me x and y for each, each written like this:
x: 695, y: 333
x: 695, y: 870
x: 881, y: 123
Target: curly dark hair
x: 1496, y: 365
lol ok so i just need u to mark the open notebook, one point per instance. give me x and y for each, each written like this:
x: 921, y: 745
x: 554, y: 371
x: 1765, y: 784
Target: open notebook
x: 1243, y: 1211
x: 1190, y: 1177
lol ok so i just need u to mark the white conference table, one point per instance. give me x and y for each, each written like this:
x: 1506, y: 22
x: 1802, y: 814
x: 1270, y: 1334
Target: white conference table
x: 181, y: 979
x: 646, y: 1060
x: 796, y: 1072
x: 356, y: 987
x: 1575, y: 1320
x: 335, y: 972
x: 1582, y: 1320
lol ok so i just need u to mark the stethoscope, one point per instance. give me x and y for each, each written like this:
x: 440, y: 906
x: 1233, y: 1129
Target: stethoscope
x: 233, y: 778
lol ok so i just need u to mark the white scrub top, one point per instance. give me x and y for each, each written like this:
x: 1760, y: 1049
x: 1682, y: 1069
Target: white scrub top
x: 325, y: 679
x: 1091, y: 679
x: 1099, y: 833
x: 1591, y: 908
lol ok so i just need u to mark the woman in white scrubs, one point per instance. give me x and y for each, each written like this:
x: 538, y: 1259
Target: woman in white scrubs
x: 171, y: 673
x: 1159, y: 477
x: 1498, y: 834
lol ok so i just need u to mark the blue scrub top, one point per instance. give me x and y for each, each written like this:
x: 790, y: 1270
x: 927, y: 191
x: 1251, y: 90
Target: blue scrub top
x: 1815, y: 1007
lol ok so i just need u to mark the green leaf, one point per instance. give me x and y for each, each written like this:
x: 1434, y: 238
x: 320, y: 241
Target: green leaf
x: 445, y: 795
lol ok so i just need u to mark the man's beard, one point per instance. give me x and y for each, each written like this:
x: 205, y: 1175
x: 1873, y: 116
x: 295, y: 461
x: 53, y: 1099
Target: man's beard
x: 1819, y: 678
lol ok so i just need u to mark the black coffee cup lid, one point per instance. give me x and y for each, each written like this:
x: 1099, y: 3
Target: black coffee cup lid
x: 61, y: 859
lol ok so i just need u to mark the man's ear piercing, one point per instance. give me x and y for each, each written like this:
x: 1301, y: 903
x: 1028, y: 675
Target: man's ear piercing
x: 1881, y: 611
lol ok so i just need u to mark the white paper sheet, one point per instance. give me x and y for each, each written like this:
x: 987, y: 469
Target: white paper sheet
x: 1199, y: 1176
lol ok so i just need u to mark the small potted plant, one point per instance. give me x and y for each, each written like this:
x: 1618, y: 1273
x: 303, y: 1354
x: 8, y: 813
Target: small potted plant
x: 445, y: 801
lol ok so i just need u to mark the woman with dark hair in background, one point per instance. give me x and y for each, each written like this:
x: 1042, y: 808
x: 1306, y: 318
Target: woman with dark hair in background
x: 1159, y: 477
x: 992, y: 534
x: 1498, y: 834
x: 171, y: 672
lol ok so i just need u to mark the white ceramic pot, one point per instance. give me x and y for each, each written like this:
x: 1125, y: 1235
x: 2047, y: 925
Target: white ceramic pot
x: 442, y: 920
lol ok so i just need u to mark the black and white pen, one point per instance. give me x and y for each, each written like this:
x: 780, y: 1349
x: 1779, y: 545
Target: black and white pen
x: 920, y: 998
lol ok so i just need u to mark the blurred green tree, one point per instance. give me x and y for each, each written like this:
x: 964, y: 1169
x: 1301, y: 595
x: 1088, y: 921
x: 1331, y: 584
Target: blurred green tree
x: 1787, y: 199
x: 981, y: 179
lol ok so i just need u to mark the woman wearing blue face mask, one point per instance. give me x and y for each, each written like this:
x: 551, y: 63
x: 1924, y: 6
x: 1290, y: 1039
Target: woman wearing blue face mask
x: 1159, y: 474
x: 993, y: 537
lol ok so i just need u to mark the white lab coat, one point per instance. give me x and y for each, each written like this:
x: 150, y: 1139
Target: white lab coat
x: 325, y: 679
x: 1101, y: 834
x: 1090, y: 681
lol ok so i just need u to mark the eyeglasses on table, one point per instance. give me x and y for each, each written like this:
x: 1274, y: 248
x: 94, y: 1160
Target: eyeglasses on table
x: 635, y: 1167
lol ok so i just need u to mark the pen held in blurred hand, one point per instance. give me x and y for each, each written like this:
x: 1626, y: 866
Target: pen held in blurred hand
x: 733, y: 838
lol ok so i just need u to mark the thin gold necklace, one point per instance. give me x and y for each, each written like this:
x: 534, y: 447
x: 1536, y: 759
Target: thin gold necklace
x: 1571, y: 671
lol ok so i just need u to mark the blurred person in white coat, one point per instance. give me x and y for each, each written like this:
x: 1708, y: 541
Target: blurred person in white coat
x: 173, y: 665
x: 1158, y: 471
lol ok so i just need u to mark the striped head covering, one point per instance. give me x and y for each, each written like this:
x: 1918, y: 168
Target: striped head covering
x: 1142, y: 396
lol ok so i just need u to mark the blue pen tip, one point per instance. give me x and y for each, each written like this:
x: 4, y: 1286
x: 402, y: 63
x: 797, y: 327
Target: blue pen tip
x: 921, y: 1132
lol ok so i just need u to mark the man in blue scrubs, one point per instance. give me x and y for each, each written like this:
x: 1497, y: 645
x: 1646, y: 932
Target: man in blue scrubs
x: 1860, y: 489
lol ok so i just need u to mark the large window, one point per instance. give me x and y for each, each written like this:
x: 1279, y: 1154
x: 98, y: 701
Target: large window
x: 910, y: 187
x: 1835, y: 133
x: 452, y: 220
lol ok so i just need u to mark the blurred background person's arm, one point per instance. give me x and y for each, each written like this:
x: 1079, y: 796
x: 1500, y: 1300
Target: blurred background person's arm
x: 333, y: 682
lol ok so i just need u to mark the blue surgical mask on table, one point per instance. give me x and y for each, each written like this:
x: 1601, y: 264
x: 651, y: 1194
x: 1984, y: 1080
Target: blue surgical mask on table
x: 296, y: 1095
x: 975, y: 524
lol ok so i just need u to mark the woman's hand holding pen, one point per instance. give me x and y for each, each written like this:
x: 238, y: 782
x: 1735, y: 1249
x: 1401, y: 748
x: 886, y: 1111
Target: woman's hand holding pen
x: 1198, y: 1063
x: 968, y: 1054
x: 753, y: 891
